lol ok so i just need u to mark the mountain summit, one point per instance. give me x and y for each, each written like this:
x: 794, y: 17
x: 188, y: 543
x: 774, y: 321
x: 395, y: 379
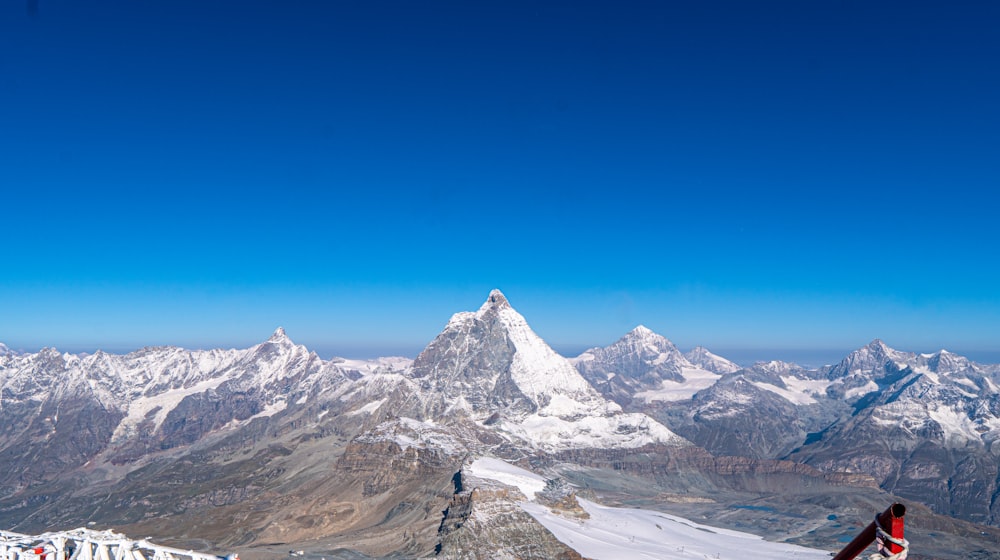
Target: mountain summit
x: 642, y: 364
x: 496, y: 300
x: 490, y: 367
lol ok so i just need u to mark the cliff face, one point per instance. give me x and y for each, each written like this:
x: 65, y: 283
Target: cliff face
x: 490, y: 514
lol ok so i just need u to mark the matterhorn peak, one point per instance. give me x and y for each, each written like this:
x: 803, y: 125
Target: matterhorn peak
x: 495, y: 301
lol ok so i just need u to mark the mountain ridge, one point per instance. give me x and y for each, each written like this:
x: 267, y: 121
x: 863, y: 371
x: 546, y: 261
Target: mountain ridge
x: 114, y: 436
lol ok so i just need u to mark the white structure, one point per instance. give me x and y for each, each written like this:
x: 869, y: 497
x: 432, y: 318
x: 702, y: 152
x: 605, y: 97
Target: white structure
x: 86, y: 544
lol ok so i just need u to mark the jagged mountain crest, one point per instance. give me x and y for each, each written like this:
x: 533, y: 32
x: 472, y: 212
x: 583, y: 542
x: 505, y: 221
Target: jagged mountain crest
x: 494, y: 362
x: 640, y: 355
x: 646, y: 366
x: 490, y: 367
x: 871, y: 359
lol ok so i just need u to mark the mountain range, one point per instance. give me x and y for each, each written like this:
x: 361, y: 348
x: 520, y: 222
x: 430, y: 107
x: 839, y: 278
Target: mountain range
x: 271, y: 446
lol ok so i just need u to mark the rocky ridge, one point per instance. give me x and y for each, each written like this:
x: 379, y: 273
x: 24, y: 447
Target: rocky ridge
x: 921, y: 425
x: 271, y: 444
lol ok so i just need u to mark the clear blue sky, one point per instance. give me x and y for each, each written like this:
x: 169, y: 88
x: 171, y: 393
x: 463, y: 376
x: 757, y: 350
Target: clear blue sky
x: 743, y: 175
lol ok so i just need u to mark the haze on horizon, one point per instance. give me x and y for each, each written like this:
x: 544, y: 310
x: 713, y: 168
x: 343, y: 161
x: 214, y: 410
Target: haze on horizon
x: 783, y: 176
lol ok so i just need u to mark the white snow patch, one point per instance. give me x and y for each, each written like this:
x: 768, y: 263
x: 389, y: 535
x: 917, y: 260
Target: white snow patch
x: 992, y: 386
x: 407, y: 433
x: 368, y: 408
x: 620, y: 430
x: 636, y: 534
x: 970, y: 384
x: 695, y: 379
x: 791, y: 396
x: 271, y: 409
x: 797, y: 391
x: 166, y: 401
x: 489, y: 468
x: 957, y: 425
x: 393, y: 364
x: 869, y: 387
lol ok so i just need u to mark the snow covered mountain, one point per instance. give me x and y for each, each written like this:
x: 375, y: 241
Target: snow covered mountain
x: 272, y: 444
x: 708, y: 399
x: 113, y: 425
x: 701, y: 357
x: 490, y: 367
x: 923, y: 425
x: 645, y: 366
x: 61, y: 411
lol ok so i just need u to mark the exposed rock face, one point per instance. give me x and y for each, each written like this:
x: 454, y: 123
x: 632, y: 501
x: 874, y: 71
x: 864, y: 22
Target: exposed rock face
x: 701, y: 357
x: 640, y: 361
x: 560, y: 497
x: 491, y: 368
x: 922, y: 425
x: 738, y: 416
x: 273, y: 445
x: 488, y: 513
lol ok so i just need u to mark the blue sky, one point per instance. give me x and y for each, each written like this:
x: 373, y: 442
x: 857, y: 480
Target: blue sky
x: 779, y: 176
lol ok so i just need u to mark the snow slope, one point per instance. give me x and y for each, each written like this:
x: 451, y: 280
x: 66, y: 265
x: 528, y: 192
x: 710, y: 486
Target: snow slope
x: 636, y: 534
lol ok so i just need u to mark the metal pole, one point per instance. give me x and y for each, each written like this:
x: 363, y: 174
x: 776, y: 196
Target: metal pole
x: 891, y: 520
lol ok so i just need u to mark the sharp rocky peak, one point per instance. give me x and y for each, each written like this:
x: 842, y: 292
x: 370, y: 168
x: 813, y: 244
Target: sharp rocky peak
x: 495, y: 301
x: 280, y: 337
x: 878, y: 346
x: 492, y: 361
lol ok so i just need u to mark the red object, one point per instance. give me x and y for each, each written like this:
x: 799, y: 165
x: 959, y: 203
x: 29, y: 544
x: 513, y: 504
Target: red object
x: 891, y: 521
x: 896, y: 528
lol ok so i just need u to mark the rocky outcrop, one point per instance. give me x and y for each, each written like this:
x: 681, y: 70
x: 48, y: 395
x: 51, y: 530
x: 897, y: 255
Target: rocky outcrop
x: 485, y: 523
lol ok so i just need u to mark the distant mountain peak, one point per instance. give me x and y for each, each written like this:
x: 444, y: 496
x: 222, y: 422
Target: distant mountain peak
x: 878, y: 344
x: 641, y: 330
x: 703, y: 358
x: 279, y: 336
